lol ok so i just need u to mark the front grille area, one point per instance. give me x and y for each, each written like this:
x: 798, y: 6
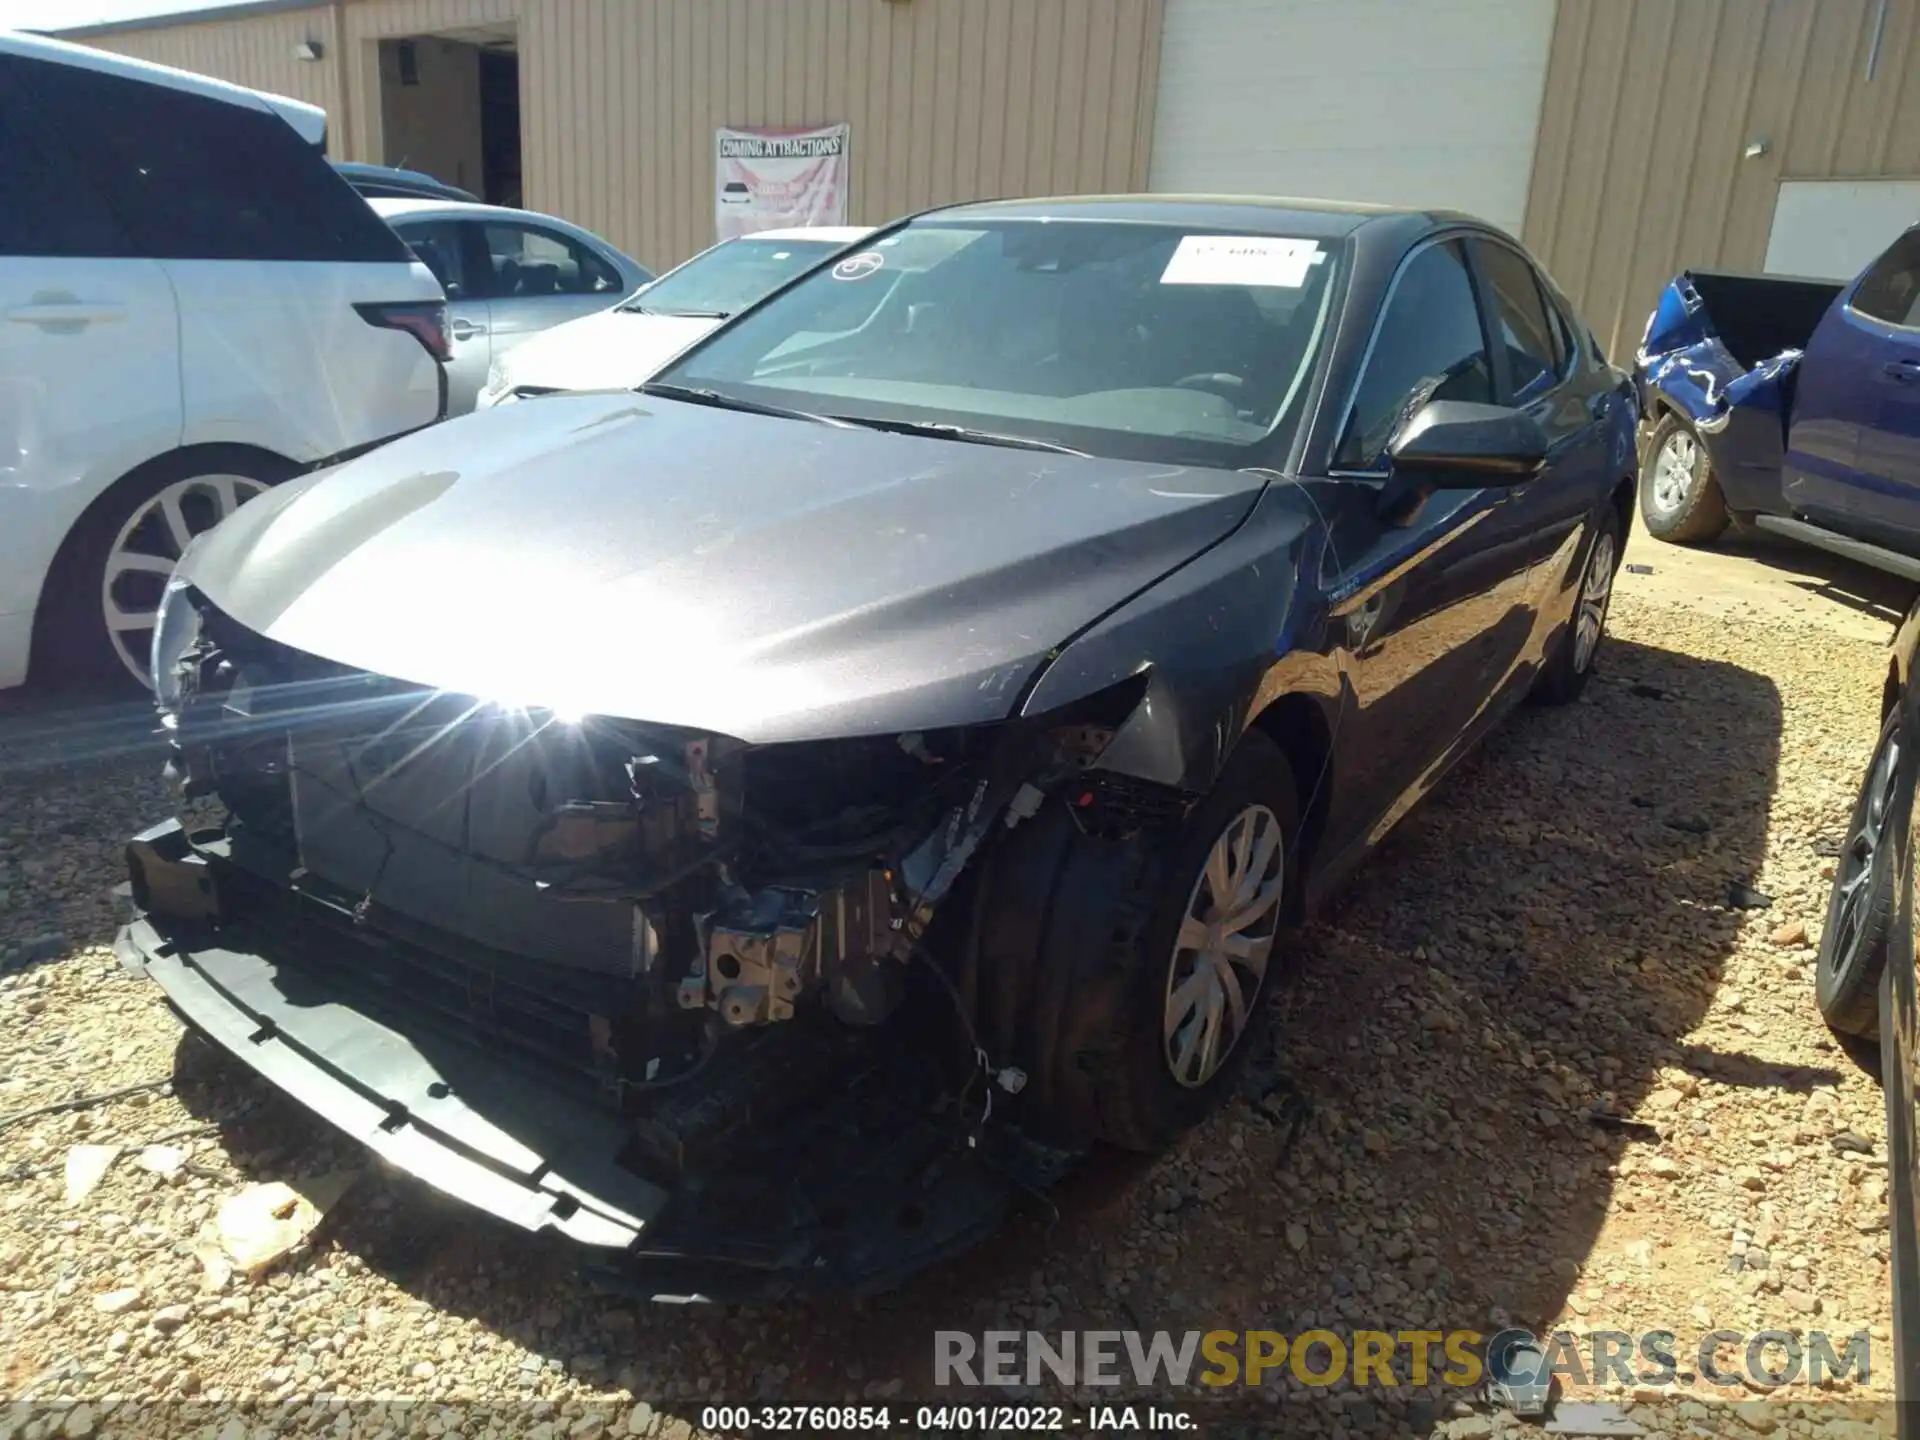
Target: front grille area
x: 562, y: 1020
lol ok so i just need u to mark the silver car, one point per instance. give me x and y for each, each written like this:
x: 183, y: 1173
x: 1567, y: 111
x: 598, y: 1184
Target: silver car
x: 508, y: 274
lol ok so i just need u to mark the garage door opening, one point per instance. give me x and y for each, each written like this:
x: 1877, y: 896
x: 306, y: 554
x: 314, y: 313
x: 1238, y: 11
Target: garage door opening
x: 450, y: 106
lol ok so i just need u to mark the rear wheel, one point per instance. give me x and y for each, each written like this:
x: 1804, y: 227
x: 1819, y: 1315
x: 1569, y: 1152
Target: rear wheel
x: 1575, y: 653
x: 1680, y: 497
x: 104, y: 590
x: 1853, y: 946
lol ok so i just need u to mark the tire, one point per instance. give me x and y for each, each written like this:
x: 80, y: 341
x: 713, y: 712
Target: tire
x: 1577, y: 652
x: 1853, y: 946
x: 117, y: 559
x: 1160, y: 1085
x: 1680, y: 497
x: 1075, y: 949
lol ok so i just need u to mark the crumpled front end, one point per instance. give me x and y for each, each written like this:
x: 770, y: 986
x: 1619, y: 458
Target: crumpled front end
x: 1723, y: 351
x: 683, y: 999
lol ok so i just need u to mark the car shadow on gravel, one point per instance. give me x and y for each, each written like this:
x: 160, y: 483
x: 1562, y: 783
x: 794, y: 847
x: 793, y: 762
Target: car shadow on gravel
x: 1421, y: 1149
x: 1534, y: 948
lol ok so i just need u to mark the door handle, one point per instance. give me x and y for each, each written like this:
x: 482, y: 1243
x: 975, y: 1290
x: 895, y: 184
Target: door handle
x: 66, y: 312
x: 462, y: 328
x: 1907, y: 372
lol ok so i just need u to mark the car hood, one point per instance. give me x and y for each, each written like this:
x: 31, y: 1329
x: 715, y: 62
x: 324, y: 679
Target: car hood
x: 611, y: 350
x: 769, y: 579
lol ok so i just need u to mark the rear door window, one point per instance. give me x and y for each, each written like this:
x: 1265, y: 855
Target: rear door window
x: 49, y: 206
x: 195, y: 178
x: 529, y: 262
x: 1429, y: 347
x: 1517, y: 316
x: 1890, y: 290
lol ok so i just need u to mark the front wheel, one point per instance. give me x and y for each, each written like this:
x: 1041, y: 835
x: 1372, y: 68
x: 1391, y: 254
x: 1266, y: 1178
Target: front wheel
x: 1207, y: 957
x: 1853, y: 947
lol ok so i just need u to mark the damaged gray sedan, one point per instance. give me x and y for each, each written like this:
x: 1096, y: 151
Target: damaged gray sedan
x: 762, y: 825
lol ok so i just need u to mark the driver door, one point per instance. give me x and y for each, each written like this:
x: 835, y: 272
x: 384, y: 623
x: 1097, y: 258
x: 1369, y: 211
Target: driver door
x: 1429, y: 605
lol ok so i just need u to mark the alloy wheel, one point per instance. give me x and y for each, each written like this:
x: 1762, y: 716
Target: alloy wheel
x: 1596, y: 591
x: 147, y: 548
x: 1226, y: 937
x: 1675, y: 470
x: 1858, y: 857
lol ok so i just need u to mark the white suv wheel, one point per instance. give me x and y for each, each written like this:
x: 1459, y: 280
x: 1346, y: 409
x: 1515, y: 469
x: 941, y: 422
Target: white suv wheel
x: 145, y: 551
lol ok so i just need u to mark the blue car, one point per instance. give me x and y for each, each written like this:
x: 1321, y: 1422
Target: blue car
x: 1789, y: 405
x: 386, y: 182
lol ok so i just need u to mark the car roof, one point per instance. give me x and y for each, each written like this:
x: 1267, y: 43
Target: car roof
x: 389, y: 207
x: 308, y: 121
x: 826, y: 234
x: 394, y: 175
x: 1258, y: 214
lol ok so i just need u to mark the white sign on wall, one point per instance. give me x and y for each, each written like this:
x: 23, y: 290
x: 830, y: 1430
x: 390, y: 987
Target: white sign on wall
x: 770, y: 178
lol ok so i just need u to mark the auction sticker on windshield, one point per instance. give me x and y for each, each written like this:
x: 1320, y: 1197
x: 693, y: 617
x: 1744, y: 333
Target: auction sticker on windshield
x: 1242, y: 260
x: 858, y: 267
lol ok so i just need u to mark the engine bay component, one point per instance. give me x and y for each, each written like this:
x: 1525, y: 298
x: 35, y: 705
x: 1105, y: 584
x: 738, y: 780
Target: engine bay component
x: 760, y: 952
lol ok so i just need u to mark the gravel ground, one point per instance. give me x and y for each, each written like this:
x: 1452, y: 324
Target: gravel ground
x: 1550, y: 935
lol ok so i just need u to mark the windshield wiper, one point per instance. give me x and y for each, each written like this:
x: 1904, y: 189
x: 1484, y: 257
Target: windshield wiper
x: 678, y: 314
x: 695, y: 395
x: 939, y: 431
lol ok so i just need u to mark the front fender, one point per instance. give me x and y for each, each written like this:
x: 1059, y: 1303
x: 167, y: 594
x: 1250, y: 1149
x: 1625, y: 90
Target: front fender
x: 1208, y: 637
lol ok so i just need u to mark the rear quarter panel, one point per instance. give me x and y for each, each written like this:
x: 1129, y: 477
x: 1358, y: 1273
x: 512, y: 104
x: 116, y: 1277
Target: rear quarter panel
x: 274, y: 355
x: 1684, y: 367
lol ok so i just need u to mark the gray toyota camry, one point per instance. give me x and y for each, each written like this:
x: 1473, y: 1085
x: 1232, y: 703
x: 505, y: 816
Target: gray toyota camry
x: 762, y: 824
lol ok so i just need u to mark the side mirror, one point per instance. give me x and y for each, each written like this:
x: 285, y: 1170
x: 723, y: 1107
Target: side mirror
x: 1489, y: 443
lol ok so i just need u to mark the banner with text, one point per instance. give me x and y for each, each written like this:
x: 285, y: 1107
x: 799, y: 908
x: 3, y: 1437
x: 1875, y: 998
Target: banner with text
x: 770, y: 178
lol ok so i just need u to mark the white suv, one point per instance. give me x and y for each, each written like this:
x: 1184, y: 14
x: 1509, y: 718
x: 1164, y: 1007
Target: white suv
x: 193, y: 307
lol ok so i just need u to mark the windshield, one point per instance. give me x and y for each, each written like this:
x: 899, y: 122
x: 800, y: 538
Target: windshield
x: 1122, y: 339
x: 730, y: 277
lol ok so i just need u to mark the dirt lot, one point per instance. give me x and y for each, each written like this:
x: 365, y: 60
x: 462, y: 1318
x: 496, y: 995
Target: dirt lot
x: 1549, y: 937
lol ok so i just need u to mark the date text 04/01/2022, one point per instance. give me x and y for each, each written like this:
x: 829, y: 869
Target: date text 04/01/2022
x: 940, y: 1418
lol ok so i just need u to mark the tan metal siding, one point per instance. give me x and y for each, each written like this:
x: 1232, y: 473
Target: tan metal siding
x: 255, y: 51
x: 948, y: 100
x: 1649, y: 105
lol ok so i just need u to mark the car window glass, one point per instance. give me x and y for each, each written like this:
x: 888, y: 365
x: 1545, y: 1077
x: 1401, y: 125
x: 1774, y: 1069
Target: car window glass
x: 437, y: 243
x: 529, y: 262
x: 1565, y: 349
x: 1120, y: 338
x: 730, y: 277
x: 48, y: 205
x: 195, y: 178
x: 1517, y: 313
x: 1429, y: 347
x: 1890, y: 290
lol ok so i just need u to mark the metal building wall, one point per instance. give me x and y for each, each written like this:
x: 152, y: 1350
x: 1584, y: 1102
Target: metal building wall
x: 1649, y: 106
x: 947, y: 99
x: 255, y: 51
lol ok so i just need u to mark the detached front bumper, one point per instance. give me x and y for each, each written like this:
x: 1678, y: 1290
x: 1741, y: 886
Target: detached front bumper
x: 538, y: 1156
x: 865, y: 1182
